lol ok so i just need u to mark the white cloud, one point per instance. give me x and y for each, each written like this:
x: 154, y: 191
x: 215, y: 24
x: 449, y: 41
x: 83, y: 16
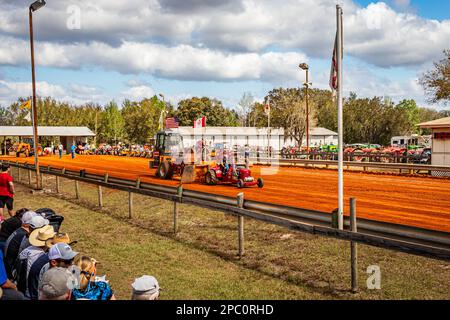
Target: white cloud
x: 182, y: 62
x: 399, y: 40
x: 251, y: 26
x: 227, y: 40
x: 74, y: 93
x: 138, y: 93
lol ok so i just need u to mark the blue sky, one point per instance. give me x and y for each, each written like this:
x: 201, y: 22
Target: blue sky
x: 430, y: 9
x: 134, y: 49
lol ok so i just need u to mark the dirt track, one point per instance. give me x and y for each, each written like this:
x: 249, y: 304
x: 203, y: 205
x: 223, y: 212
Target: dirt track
x: 414, y: 201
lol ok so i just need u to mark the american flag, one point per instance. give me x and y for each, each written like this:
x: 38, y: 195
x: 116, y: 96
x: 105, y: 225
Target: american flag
x: 267, y: 108
x: 334, y: 70
x: 172, y: 123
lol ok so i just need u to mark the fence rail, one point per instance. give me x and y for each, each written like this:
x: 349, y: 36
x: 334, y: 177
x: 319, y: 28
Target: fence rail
x: 417, y: 241
x: 410, y: 168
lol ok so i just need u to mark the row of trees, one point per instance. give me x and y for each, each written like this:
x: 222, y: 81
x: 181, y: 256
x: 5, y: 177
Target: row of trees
x: 134, y: 122
x: 373, y: 120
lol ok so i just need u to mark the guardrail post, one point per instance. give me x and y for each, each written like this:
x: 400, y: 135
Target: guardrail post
x: 100, y: 197
x: 77, y: 189
x: 176, y: 209
x: 29, y: 177
x: 18, y: 174
x: 57, y: 184
x: 138, y: 182
x: 106, y: 177
x: 41, y: 177
x: 130, y: 205
x: 240, y: 203
x: 353, y: 246
x: 335, y: 219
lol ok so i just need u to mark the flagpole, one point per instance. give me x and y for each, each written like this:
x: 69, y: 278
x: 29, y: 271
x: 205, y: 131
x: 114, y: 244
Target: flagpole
x: 34, y: 107
x: 340, y: 119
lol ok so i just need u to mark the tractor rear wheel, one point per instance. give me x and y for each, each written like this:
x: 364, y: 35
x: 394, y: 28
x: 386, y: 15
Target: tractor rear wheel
x: 164, y: 170
x: 211, y: 178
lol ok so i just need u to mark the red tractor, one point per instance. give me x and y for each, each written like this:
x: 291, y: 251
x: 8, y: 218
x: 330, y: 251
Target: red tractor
x: 236, y: 175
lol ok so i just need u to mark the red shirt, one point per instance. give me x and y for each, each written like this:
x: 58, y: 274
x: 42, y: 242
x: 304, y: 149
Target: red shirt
x: 5, y: 179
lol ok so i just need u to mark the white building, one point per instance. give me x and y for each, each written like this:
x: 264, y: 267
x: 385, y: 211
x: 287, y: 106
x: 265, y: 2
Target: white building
x: 67, y: 135
x: 254, y: 137
x: 440, y: 142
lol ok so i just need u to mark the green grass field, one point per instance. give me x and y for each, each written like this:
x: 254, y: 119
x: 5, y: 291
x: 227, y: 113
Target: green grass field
x: 201, y: 261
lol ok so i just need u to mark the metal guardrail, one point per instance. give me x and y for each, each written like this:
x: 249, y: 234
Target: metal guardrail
x: 417, y: 241
x: 388, y: 166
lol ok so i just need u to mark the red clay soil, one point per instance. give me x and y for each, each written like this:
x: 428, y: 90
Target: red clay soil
x: 414, y: 201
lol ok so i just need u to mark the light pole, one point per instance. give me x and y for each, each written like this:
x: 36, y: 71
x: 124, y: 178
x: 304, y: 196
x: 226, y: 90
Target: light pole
x: 33, y: 7
x: 305, y: 67
x: 267, y: 111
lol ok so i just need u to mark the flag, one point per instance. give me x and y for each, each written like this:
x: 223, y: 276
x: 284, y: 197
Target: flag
x: 26, y: 105
x: 200, y: 123
x: 334, y: 70
x: 172, y: 123
x: 334, y: 81
x: 267, y: 108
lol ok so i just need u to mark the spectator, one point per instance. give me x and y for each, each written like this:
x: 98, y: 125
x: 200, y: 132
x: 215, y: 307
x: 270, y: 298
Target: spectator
x: 60, y: 254
x: 7, y: 288
x: 145, y: 288
x: 54, y: 285
x: 89, y: 288
x: 18, y: 240
x: 34, y: 258
x: 72, y: 150
x: 60, y: 150
x: 6, y: 191
x: 9, y: 226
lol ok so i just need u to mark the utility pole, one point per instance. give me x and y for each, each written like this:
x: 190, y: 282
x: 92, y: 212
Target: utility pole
x: 33, y: 7
x: 305, y: 67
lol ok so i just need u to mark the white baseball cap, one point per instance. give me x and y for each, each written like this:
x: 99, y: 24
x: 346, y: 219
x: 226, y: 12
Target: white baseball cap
x: 61, y: 251
x: 27, y: 216
x: 145, y: 284
x: 38, y: 222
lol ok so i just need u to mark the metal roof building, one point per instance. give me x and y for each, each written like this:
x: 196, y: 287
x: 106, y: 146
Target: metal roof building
x: 66, y: 135
x: 253, y: 136
x: 11, y: 131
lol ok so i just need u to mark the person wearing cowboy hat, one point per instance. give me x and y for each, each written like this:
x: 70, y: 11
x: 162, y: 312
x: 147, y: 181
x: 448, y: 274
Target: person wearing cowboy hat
x: 35, y: 257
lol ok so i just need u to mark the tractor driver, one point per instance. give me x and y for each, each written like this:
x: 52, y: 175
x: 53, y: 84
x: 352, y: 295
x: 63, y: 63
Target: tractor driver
x: 225, y: 165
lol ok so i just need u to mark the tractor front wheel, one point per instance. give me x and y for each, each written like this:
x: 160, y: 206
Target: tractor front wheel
x: 211, y: 178
x: 260, y: 182
x: 240, y: 184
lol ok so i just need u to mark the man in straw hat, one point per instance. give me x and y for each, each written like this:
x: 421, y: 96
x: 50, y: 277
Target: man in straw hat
x: 36, y: 257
